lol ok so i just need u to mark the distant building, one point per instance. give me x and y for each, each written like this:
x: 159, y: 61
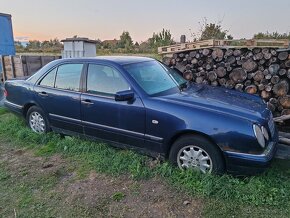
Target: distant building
x: 79, y: 47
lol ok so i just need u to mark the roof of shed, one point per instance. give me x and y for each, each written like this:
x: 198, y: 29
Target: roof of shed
x: 83, y: 39
x: 6, y: 15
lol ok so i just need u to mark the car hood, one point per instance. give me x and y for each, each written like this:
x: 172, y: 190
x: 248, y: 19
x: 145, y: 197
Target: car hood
x: 221, y: 100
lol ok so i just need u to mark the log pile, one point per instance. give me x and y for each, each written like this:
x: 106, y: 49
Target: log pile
x: 261, y: 71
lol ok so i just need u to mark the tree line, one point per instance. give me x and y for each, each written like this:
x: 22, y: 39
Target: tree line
x: 125, y: 44
x: 36, y: 46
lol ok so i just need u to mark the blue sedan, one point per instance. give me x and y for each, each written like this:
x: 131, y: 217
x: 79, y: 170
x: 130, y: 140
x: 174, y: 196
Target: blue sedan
x: 140, y: 103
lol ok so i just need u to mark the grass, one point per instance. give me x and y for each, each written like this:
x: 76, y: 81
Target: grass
x: 3, y: 111
x: 24, y: 194
x: 267, y: 194
x: 118, y: 196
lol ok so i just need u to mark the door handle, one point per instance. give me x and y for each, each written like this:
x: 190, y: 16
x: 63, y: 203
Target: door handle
x: 87, y: 102
x: 43, y: 94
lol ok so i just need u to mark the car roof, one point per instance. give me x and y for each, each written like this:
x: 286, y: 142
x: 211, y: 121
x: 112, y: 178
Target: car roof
x: 121, y: 60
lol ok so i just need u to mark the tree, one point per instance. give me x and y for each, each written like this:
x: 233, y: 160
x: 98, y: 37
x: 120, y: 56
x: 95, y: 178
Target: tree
x: 211, y: 31
x: 125, y: 41
x: 48, y: 46
x: 99, y: 44
x: 33, y: 45
x: 18, y: 46
x: 274, y: 35
x: 162, y: 38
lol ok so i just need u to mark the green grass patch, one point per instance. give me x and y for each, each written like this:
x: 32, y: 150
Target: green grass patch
x: 267, y: 192
x: 26, y: 196
x: 3, y: 110
x: 118, y: 196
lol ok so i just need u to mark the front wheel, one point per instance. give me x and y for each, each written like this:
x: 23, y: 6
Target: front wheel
x: 36, y: 120
x: 196, y: 153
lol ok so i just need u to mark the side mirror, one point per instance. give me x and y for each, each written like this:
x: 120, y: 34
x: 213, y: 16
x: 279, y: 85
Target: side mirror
x: 124, y: 95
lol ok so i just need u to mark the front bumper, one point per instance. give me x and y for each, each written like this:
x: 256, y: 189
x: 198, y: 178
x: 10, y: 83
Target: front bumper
x: 249, y: 164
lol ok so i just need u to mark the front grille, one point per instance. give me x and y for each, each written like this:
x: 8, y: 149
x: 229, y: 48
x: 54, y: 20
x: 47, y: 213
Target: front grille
x: 271, y: 125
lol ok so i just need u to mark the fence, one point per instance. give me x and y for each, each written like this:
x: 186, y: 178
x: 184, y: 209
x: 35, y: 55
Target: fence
x: 20, y: 66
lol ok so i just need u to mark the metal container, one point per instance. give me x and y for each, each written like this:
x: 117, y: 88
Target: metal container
x: 6, y: 35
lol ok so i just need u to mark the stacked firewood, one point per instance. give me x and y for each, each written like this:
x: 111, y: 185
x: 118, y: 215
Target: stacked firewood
x: 261, y: 71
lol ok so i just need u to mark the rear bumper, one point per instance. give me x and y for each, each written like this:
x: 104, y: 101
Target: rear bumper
x: 13, y: 107
x: 249, y: 164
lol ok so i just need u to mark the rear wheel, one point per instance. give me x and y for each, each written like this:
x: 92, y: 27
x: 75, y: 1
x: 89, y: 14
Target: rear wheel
x: 37, y: 120
x: 196, y: 153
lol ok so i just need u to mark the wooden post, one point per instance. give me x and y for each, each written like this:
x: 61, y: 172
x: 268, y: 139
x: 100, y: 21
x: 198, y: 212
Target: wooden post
x: 41, y: 61
x: 12, y: 66
x: 3, y: 68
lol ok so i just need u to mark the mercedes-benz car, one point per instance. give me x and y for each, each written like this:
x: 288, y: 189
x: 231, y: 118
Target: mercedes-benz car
x: 140, y: 103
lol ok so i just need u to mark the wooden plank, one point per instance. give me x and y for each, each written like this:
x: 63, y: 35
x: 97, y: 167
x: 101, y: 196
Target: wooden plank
x: 283, y: 151
x: 41, y: 61
x: 3, y: 69
x: 48, y: 59
x: 28, y: 64
x: 12, y: 66
x: 34, y: 64
x: 24, y: 65
x: 281, y: 118
x: 18, y: 66
x: 8, y: 67
x: 244, y: 43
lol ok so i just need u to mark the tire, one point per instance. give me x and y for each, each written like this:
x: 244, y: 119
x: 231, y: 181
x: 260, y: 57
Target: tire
x: 37, y: 121
x: 197, y: 153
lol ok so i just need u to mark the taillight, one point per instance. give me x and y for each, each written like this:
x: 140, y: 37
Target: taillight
x: 5, y: 93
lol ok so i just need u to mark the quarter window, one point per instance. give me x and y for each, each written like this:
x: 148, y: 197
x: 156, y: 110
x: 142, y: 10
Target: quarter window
x: 68, y: 77
x: 105, y: 80
x: 48, y: 80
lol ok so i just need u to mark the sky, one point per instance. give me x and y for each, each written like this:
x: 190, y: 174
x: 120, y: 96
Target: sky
x: 107, y: 19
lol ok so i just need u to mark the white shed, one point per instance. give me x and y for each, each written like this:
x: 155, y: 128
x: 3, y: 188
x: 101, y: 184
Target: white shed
x: 79, y: 47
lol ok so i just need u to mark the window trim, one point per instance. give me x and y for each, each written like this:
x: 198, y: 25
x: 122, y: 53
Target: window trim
x: 44, y: 75
x: 57, y: 66
x: 102, y: 95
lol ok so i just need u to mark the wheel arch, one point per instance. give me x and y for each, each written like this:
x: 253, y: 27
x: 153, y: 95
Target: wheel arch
x: 192, y: 133
x: 27, y: 106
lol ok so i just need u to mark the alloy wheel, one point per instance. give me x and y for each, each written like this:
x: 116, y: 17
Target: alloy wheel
x: 36, y: 122
x: 194, y: 157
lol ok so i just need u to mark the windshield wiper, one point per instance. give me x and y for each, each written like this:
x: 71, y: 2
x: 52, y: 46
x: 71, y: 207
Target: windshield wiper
x: 183, y: 86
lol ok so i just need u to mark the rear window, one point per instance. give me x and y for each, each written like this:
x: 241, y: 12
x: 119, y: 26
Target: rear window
x: 68, y: 77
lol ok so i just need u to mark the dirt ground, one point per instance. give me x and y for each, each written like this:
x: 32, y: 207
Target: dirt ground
x: 96, y: 194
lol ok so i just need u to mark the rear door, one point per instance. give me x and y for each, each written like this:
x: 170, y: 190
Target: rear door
x: 58, y: 94
x: 103, y: 117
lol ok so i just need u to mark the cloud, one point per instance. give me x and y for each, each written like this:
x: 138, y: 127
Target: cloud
x: 22, y: 38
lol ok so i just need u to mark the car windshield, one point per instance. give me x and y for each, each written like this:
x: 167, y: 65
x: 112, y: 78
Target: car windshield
x: 155, y: 78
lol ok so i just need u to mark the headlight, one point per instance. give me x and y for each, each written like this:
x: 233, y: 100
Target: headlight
x: 265, y: 133
x: 259, y: 135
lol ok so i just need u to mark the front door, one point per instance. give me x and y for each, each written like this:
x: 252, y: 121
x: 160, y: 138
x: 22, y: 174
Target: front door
x: 58, y: 94
x: 103, y: 117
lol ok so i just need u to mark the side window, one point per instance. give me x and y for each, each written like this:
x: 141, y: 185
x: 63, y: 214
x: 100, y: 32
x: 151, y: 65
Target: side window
x: 105, y: 80
x: 48, y: 80
x: 68, y: 77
